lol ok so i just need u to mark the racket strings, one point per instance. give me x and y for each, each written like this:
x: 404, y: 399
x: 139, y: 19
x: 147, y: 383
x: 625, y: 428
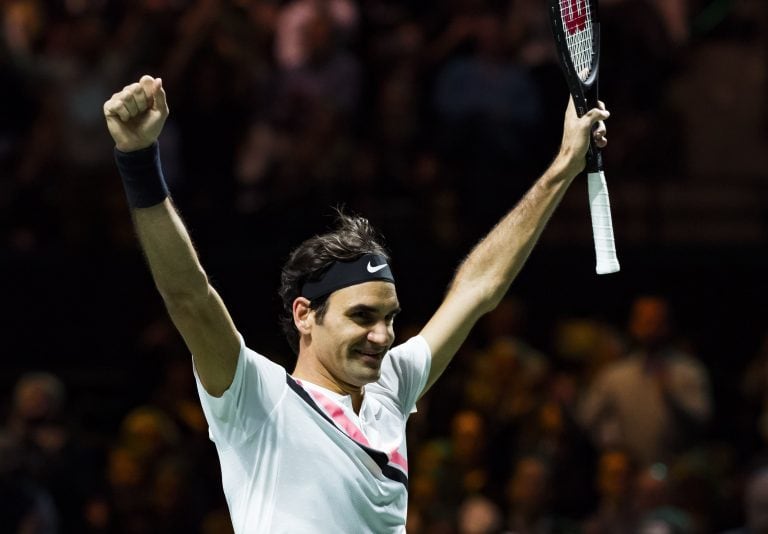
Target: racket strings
x: 576, y: 16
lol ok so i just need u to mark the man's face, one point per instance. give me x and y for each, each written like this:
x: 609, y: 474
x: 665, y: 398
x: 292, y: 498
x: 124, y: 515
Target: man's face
x: 353, y: 336
x: 649, y: 321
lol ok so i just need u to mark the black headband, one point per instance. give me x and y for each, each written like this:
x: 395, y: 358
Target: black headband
x: 366, y: 268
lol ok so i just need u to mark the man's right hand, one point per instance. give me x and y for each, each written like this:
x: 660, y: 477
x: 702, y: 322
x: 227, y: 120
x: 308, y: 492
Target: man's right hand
x: 576, y: 133
x: 136, y: 115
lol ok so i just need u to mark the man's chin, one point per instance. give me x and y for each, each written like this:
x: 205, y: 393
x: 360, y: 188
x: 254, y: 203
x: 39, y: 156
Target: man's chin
x: 369, y: 372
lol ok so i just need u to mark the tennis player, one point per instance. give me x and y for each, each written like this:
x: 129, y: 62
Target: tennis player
x: 321, y: 449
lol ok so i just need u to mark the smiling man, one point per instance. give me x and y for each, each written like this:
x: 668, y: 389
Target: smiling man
x: 321, y: 449
x: 352, y: 306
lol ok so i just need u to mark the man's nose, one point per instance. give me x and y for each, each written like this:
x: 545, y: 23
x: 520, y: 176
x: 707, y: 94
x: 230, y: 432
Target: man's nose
x: 381, y: 334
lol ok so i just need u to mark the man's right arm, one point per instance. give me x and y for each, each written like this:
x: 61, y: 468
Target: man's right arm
x: 135, y: 117
x: 194, y: 306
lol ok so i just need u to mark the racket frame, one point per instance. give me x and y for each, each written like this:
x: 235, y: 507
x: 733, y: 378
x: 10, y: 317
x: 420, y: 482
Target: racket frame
x: 584, y: 93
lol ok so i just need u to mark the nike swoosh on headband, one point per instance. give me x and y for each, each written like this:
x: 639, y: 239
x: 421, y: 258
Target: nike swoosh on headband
x: 373, y: 269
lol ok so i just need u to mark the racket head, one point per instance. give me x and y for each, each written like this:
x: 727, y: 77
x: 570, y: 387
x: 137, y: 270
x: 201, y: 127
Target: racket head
x: 576, y: 28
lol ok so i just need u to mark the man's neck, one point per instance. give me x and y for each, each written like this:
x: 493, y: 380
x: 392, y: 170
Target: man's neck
x: 323, y: 379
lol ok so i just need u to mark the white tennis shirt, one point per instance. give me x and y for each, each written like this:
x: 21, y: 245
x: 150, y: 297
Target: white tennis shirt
x: 295, y: 458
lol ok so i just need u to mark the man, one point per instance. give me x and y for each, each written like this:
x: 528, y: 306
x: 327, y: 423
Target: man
x: 322, y: 449
x: 654, y: 402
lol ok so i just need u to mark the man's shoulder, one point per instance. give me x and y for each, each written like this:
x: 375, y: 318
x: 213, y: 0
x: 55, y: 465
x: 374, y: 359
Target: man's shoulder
x: 414, y: 345
x: 681, y: 357
x: 255, y: 358
x: 255, y: 366
x: 628, y: 364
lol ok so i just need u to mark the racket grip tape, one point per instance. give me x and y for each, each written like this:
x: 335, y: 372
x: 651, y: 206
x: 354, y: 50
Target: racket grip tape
x: 602, y: 225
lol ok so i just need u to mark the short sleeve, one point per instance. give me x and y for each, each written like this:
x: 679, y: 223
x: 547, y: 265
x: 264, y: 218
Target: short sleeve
x: 257, y: 387
x: 404, y: 373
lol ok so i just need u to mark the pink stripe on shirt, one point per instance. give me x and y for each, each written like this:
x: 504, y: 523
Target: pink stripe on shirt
x: 336, y: 413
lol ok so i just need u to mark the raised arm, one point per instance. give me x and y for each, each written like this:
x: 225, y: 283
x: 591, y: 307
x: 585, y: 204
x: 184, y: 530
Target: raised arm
x: 135, y: 117
x: 484, y: 277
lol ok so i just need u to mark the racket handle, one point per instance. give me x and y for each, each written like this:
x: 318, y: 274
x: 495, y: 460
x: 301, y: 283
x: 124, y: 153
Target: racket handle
x: 602, y: 226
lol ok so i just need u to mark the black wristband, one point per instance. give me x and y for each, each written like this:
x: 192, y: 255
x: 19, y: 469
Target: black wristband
x: 142, y: 176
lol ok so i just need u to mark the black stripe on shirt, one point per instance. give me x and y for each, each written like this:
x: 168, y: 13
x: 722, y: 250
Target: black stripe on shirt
x: 381, y: 458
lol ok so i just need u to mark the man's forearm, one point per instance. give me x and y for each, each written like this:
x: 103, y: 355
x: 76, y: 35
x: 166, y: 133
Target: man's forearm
x: 498, y: 258
x: 169, y: 251
x: 486, y: 274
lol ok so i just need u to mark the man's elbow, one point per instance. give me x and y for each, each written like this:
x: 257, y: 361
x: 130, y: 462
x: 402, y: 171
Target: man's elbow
x: 482, y: 295
x: 193, y: 293
x: 491, y: 291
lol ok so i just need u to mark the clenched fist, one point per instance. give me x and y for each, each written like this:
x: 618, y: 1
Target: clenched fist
x: 136, y: 115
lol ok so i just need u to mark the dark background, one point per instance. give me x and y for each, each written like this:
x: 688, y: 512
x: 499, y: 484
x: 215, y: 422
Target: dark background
x: 364, y: 125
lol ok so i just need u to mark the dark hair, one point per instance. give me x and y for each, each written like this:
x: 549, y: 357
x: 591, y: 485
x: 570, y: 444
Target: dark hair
x: 352, y: 237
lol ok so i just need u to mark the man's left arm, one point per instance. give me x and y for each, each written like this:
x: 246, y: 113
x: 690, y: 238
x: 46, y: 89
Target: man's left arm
x: 687, y: 392
x: 485, y: 275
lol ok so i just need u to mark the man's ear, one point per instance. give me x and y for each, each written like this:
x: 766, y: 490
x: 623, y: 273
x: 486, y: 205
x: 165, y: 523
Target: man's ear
x: 302, y: 315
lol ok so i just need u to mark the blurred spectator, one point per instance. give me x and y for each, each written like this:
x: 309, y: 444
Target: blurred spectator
x: 528, y: 494
x: 488, y: 106
x: 51, y: 456
x: 25, y: 506
x: 294, y: 46
x: 653, y: 33
x: 701, y: 485
x: 614, y: 514
x: 38, y: 401
x: 507, y: 375
x: 755, y: 504
x: 451, y: 469
x: 327, y: 78
x: 588, y: 346
x: 655, y: 401
x: 531, y: 405
x: 125, y: 501
x: 665, y: 520
x: 150, y: 483
x: 652, y: 489
x: 479, y: 515
x: 550, y: 432
x: 674, y: 13
x: 505, y: 380
x: 507, y: 320
x: 150, y: 433
x: 488, y: 85
x: 22, y: 30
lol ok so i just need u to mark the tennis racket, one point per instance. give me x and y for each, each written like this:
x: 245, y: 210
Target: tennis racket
x: 577, y: 36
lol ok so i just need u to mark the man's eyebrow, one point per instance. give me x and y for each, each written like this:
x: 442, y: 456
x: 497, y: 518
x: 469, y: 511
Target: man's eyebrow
x: 370, y: 309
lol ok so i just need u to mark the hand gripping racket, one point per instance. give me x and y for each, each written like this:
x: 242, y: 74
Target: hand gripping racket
x: 577, y: 36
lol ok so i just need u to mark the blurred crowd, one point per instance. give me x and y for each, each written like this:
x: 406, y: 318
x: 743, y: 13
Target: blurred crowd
x: 610, y: 431
x: 430, y: 118
x: 419, y: 111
